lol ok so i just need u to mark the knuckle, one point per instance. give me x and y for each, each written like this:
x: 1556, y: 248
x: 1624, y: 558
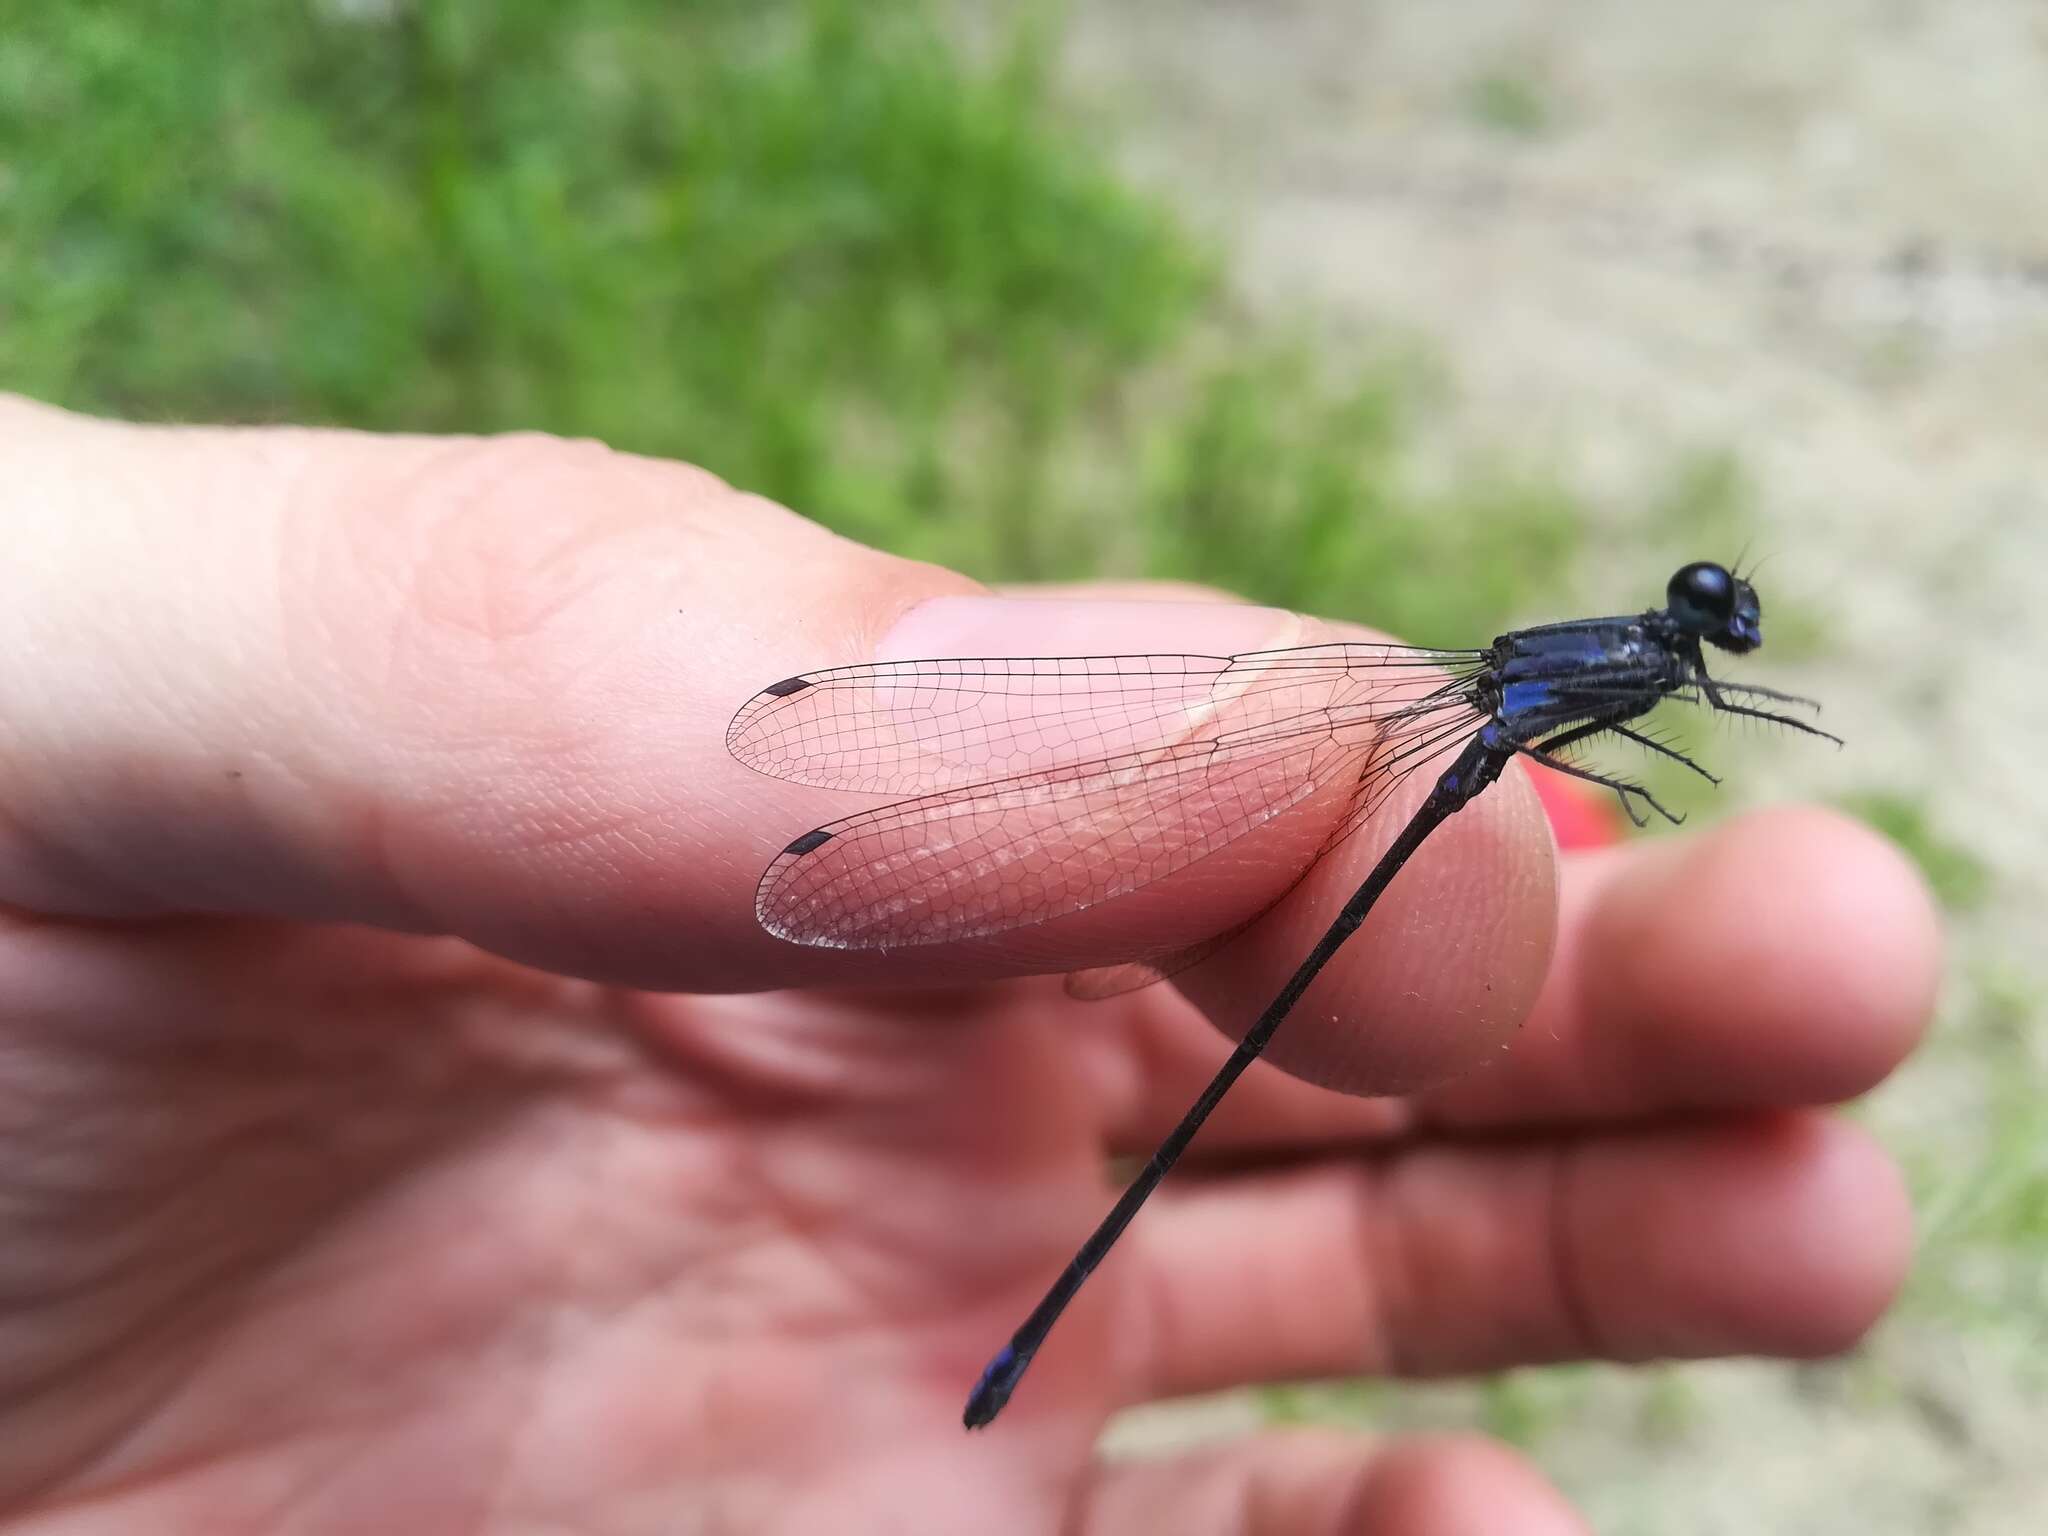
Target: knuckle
x: 506, y: 569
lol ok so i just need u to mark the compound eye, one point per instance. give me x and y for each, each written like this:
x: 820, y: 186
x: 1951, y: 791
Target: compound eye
x: 1702, y: 597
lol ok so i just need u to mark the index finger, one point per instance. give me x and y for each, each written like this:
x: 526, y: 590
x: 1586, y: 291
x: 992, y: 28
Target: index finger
x: 480, y: 687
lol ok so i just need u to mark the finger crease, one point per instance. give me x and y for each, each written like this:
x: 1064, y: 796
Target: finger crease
x: 1379, y: 1257
x: 1566, y: 1278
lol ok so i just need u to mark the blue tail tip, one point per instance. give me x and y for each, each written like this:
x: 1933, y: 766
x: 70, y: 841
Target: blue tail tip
x: 998, y: 1378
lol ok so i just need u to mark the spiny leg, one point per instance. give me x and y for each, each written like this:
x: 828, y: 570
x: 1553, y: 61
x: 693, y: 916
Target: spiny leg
x: 1652, y: 744
x: 1720, y: 701
x: 1622, y: 787
x: 1758, y: 691
x: 1615, y: 725
x: 1545, y: 752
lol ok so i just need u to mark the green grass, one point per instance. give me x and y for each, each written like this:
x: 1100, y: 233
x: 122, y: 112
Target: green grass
x: 1981, y: 1190
x: 817, y: 246
x: 1510, y: 103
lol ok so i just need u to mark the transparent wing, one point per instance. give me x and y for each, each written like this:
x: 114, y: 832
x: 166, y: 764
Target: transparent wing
x: 1404, y: 745
x: 1055, y: 784
x: 913, y: 727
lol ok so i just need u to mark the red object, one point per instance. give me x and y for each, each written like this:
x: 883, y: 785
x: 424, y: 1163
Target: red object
x: 1582, y: 815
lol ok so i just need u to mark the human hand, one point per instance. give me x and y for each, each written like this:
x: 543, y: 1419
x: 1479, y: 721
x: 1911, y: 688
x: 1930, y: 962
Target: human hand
x: 330, y: 1203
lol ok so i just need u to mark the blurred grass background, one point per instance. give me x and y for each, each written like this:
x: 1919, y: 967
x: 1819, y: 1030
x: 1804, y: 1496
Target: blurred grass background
x: 812, y: 245
x: 894, y: 280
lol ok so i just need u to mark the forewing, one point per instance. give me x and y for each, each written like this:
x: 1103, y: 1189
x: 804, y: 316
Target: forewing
x: 1403, y: 745
x: 983, y: 859
x: 917, y: 727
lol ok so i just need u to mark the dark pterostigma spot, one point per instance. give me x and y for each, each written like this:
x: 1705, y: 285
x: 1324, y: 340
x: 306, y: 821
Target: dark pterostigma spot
x: 786, y: 687
x: 809, y: 841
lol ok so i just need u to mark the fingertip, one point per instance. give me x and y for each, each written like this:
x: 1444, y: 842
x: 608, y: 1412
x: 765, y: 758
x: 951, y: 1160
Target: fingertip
x: 1785, y: 1234
x: 1866, y: 900
x: 1446, y: 966
x: 1844, y: 1231
x: 1842, y: 930
x: 1460, y: 1485
x: 1787, y: 956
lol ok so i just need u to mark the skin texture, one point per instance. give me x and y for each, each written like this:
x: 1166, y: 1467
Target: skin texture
x: 396, y: 1132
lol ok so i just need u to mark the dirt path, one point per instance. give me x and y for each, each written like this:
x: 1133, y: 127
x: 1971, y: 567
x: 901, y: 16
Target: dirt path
x: 1814, y: 237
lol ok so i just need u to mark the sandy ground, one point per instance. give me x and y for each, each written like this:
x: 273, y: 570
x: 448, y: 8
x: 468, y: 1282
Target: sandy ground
x: 1812, y: 236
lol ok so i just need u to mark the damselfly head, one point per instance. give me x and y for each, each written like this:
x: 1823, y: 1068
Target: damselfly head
x: 1717, y: 606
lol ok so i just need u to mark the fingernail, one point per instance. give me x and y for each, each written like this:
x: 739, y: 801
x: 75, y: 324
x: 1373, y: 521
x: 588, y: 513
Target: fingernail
x: 1022, y: 626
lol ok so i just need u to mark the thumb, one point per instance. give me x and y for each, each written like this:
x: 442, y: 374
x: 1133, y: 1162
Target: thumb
x: 466, y: 686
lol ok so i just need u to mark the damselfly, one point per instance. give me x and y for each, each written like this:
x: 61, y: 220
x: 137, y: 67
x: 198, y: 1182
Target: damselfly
x: 1038, y: 787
